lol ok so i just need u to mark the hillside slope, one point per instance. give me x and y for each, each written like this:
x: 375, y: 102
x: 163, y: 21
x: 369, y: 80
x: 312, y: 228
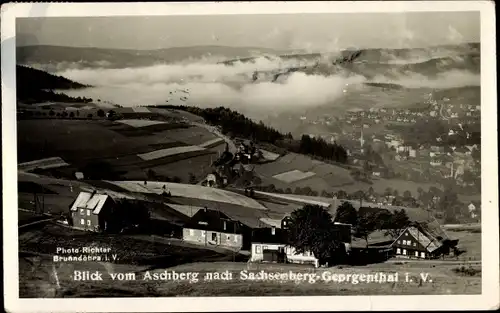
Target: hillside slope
x: 36, y: 86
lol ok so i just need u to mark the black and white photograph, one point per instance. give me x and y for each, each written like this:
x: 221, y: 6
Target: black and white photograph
x: 225, y: 151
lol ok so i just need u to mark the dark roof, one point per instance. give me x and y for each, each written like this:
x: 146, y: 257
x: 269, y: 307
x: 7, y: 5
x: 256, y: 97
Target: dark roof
x: 265, y: 235
x: 213, y: 220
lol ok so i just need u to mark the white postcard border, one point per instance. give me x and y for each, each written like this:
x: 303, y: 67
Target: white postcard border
x: 489, y: 299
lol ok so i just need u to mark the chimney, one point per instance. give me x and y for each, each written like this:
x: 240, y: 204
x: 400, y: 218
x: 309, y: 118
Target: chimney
x: 273, y: 230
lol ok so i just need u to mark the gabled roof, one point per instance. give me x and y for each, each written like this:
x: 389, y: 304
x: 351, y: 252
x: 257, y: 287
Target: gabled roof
x: 428, y: 242
x: 265, y: 235
x: 90, y: 201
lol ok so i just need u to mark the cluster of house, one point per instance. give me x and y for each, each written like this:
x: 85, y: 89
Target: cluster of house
x: 231, y: 166
x: 93, y: 211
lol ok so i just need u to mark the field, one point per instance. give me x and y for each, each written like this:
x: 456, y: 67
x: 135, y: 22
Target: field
x: 79, y: 142
x: 326, y: 175
x: 190, y: 191
x: 42, y: 164
x: 270, y: 156
x: 293, y: 176
x: 140, y: 123
x: 158, y: 154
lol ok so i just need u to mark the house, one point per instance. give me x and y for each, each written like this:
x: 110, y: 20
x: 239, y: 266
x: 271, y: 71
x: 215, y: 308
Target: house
x: 435, y: 162
x: 423, y: 242
x: 214, y: 228
x: 413, y: 153
x: 270, y: 245
x: 92, y: 211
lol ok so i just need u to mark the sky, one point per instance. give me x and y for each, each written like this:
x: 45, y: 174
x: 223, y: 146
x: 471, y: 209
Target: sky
x: 313, y: 32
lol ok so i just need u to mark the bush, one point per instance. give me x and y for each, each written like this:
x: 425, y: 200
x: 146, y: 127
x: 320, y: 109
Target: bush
x: 467, y: 271
x: 100, y: 113
x: 89, y: 116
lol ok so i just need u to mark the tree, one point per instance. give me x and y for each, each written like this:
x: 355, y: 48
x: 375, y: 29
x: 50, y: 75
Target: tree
x: 89, y: 116
x: 64, y: 114
x: 130, y: 214
x: 52, y: 113
x: 176, y: 179
x: 192, y: 179
x: 358, y: 195
x: 407, y: 194
x: 365, y: 225
x: 151, y: 174
x: 311, y: 229
x: 71, y: 114
x: 341, y: 194
x: 98, y: 170
x: 100, y: 113
x: 77, y: 113
x: 371, y: 191
x: 346, y: 213
x: 395, y: 193
x: 388, y: 191
x: 396, y: 223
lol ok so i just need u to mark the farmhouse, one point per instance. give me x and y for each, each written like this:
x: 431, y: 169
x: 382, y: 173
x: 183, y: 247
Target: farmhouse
x: 214, y: 228
x: 92, y: 211
x: 269, y: 245
x: 417, y: 242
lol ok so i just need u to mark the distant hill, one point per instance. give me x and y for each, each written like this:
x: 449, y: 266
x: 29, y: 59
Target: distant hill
x: 37, y: 86
x: 119, y: 58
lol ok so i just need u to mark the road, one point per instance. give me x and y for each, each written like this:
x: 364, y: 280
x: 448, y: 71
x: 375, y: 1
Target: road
x: 215, y: 131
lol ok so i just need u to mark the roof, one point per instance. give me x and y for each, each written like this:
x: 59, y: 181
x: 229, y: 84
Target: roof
x: 265, y: 235
x: 429, y: 242
x: 213, y: 220
x: 92, y: 201
x: 271, y: 222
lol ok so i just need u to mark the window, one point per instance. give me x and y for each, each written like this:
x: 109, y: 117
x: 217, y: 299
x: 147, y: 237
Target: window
x: 89, y: 222
x: 398, y: 251
x: 404, y: 242
x: 235, y: 238
x: 416, y: 254
x: 228, y: 237
x: 409, y: 242
x: 88, y: 212
x: 265, y: 248
x: 82, y: 221
x: 82, y: 211
x: 203, y: 233
x: 191, y: 232
x: 399, y: 241
x: 404, y: 251
x: 414, y: 244
x: 258, y: 249
x: 214, y: 236
x: 422, y: 255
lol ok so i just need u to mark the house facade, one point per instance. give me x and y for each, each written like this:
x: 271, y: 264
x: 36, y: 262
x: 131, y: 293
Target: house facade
x: 269, y: 245
x: 413, y: 242
x: 92, y: 211
x: 214, y: 228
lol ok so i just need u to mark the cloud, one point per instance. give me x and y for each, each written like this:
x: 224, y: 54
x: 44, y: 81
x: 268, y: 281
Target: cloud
x: 211, y: 84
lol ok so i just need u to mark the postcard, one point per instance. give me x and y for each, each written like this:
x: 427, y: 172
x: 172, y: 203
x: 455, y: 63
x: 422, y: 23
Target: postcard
x: 249, y: 156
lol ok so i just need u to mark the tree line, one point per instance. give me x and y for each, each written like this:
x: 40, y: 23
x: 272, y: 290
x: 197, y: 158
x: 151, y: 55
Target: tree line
x: 235, y: 124
x: 312, y: 228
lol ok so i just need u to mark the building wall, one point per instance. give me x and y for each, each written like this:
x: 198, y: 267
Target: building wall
x: 408, y: 246
x: 84, y: 219
x: 258, y: 250
x: 212, y: 238
x: 291, y: 256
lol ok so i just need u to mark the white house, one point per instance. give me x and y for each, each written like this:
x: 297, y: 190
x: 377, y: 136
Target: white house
x: 269, y: 245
